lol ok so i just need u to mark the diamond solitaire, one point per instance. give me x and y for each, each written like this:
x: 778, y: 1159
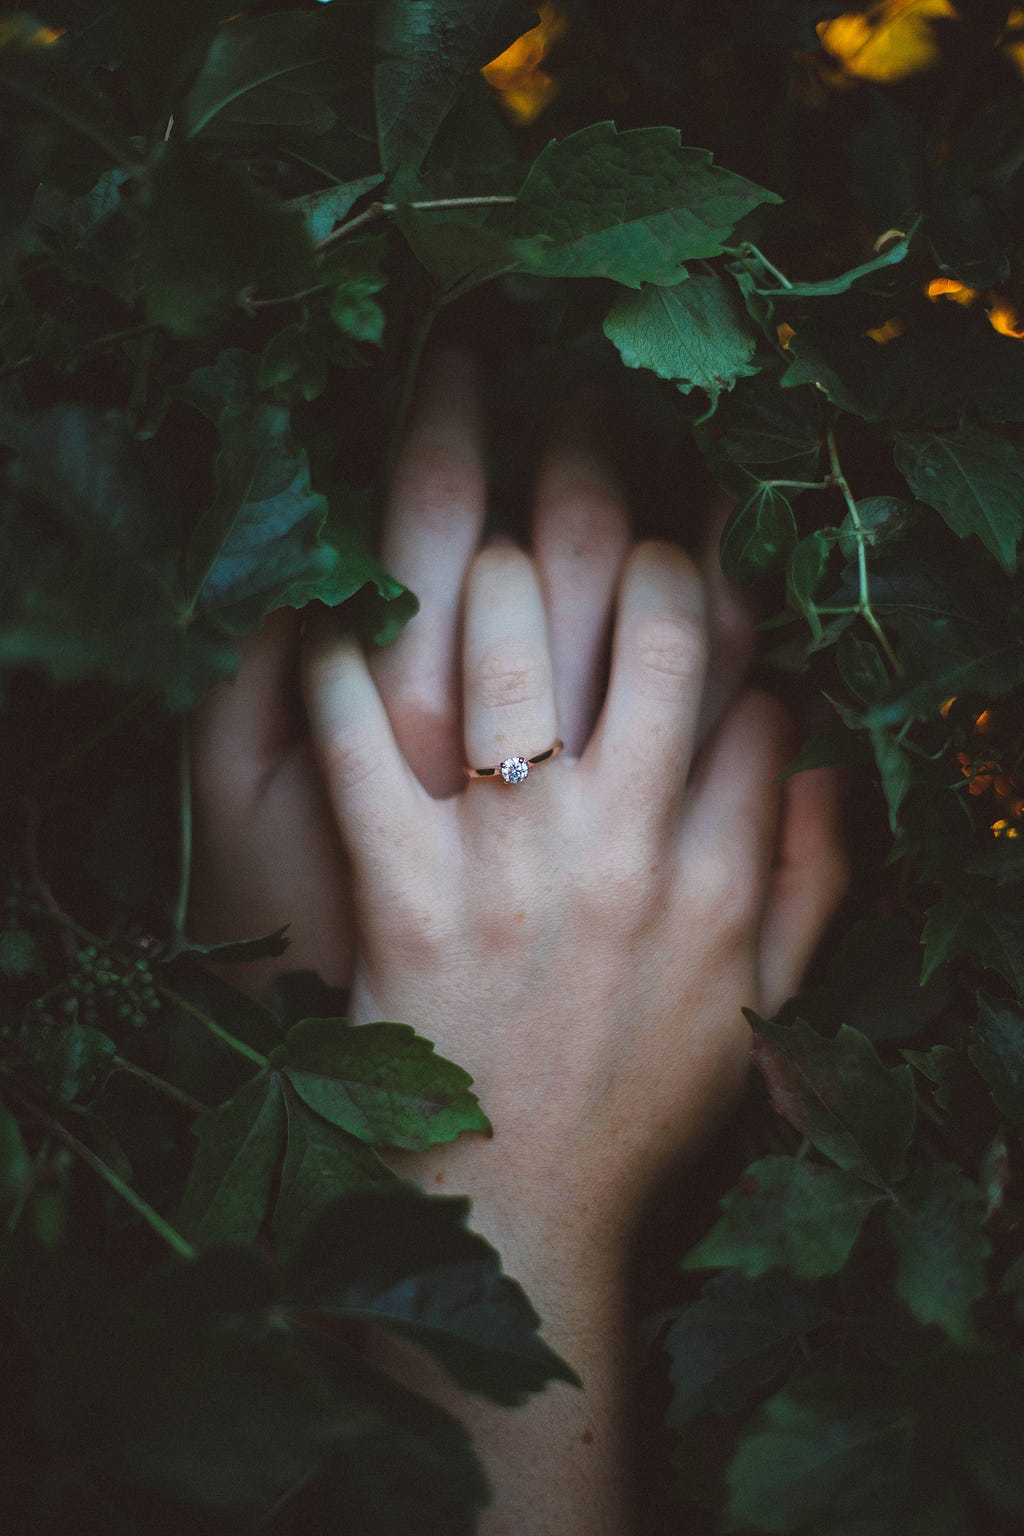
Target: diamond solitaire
x: 514, y: 770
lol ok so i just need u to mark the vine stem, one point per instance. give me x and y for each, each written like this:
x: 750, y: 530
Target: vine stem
x: 184, y: 827
x: 864, y: 607
x: 174, y: 1240
x: 752, y: 250
x: 101, y: 344
x: 379, y: 210
x: 161, y: 1085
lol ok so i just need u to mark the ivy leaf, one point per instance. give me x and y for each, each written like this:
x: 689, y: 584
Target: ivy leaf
x: 936, y: 1225
x: 839, y: 1095
x: 406, y: 1263
x: 429, y: 51
x: 786, y: 1214
x: 737, y: 1337
x: 813, y: 1459
x: 974, y: 479
x: 20, y: 953
x: 324, y: 209
x: 68, y: 1059
x: 318, y: 1164
x: 969, y: 921
x: 894, y: 771
x: 631, y: 206
x: 238, y: 950
x: 43, y: 84
x: 240, y: 1147
x: 209, y: 236
x: 267, y: 78
x: 758, y: 536
x: 381, y: 1082
x: 997, y: 1051
x: 691, y: 333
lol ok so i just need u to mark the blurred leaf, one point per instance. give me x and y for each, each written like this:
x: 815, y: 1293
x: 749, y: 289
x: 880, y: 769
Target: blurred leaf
x: 20, y: 953
x: 325, y: 209
x: 267, y: 77
x: 997, y: 1051
x: 407, y: 1263
x: 381, y: 1082
x: 838, y: 1094
x: 631, y: 206
x: 428, y: 52
x: 936, y: 1224
x: 14, y: 1163
x: 971, y: 921
x: 737, y: 1337
x: 67, y: 1058
x: 974, y: 479
x: 787, y: 1214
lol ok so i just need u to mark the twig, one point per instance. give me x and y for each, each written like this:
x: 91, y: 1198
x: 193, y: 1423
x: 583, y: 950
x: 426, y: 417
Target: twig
x: 174, y: 1240
x: 378, y: 210
x: 864, y: 607
x: 161, y: 1085
x: 101, y: 344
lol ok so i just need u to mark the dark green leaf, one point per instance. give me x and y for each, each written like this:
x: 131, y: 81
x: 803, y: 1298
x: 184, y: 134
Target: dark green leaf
x: 838, y: 1094
x: 407, y: 1263
x: 269, y: 946
x: 429, y: 50
x: 14, y: 1163
x: 997, y: 1050
x: 42, y: 83
x: 240, y: 1146
x: 631, y: 206
x: 381, y: 1082
x: 805, y: 570
x: 739, y: 1335
x: 209, y: 237
x: 893, y: 254
x: 786, y: 1214
x: 936, y: 1225
x: 968, y: 921
x: 873, y: 983
x: 67, y: 1058
x: 319, y: 1164
x: 691, y: 333
x: 20, y: 953
x: 758, y: 535
x: 818, y: 1463
x: 323, y: 210
x: 894, y: 770
x: 267, y: 78
x: 974, y: 479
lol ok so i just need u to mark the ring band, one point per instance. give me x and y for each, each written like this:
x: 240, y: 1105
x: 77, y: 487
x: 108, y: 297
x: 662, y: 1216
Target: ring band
x: 515, y: 769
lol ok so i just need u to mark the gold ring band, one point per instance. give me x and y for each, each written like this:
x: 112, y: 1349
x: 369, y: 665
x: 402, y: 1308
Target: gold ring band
x: 514, y: 770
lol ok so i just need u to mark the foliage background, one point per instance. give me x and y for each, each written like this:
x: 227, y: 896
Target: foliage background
x: 221, y: 252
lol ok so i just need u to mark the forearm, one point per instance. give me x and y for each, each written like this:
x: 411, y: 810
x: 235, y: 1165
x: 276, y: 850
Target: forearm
x: 563, y: 1461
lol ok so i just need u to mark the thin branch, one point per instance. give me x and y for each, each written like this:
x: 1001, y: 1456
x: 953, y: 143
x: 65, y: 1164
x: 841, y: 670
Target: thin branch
x: 378, y: 210
x: 864, y: 607
x: 174, y: 1240
x: 101, y: 344
x: 161, y: 1085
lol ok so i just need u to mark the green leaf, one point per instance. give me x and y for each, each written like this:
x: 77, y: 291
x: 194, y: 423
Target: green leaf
x: 96, y: 596
x: 804, y: 571
x: 974, y: 479
x: 268, y: 946
x: 631, y: 206
x: 318, y: 1164
x: 67, y: 1059
x: 758, y: 536
x: 43, y: 84
x: 838, y: 1094
x: 267, y: 78
x: 240, y: 1146
x: 325, y: 209
x: 936, y: 1225
x: 817, y: 1463
x: 14, y: 1163
x: 894, y: 770
x: 428, y: 52
x: 786, y: 1214
x: 353, y: 307
x: 872, y: 981
x: 209, y: 237
x: 740, y: 1335
x: 973, y: 921
x: 20, y: 953
x: 692, y: 333
x: 997, y: 1051
x: 406, y: 1263
x: 828, y: 287
x: 381, y: 1082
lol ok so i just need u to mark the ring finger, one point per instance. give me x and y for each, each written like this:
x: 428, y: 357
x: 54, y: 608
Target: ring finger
x: 507, y: 687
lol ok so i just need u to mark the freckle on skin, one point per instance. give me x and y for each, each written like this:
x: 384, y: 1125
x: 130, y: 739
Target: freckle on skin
x: 518, y: 916
x: 438, y: 1178
x: 587, y: 1437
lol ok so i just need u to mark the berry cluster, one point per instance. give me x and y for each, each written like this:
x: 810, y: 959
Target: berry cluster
x: 101, y: 986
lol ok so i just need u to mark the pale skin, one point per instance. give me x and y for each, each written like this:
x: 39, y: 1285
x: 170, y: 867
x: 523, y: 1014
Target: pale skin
x: 583, y: 944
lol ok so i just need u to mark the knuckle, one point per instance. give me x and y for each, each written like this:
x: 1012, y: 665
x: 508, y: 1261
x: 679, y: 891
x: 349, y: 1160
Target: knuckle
x: 671, y: 656
x: 505, y: 678
x: 442, y: 483
x: 728, y: 898
x: 348, y: 758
